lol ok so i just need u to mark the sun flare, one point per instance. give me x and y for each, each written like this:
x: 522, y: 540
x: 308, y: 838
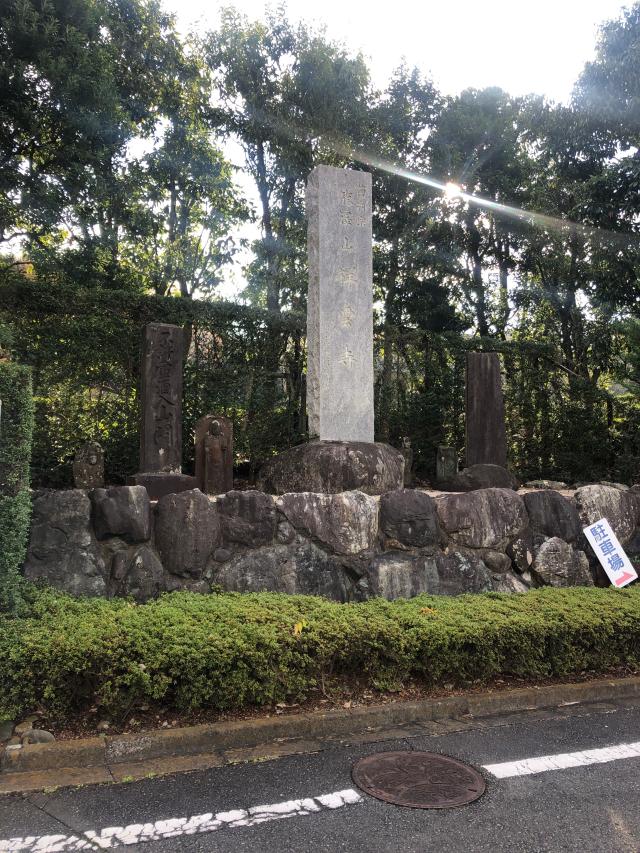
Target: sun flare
x: 452, y: 190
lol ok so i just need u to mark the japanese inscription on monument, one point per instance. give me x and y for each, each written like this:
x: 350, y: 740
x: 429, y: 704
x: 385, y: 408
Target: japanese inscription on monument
x: 486, y: 438
x: 340, y: 305
x: 161, y: 434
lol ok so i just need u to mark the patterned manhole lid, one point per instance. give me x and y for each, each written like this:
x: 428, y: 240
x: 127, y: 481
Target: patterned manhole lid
x: 419, y: 780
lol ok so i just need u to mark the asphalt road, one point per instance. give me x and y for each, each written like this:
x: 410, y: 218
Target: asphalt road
x: 590, y: 807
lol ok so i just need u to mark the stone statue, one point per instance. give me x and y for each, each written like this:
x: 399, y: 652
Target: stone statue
x: 88, y: 466
x: 214, y: 454
x: 407, y: 452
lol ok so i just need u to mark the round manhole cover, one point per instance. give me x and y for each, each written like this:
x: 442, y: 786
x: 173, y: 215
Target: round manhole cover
x: 419, y: 780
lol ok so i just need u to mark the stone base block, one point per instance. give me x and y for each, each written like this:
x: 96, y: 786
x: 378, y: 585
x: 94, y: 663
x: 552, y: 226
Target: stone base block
x: 159, y: 485
x: 334, y: 466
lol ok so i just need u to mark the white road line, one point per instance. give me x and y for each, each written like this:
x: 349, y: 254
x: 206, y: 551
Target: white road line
x: 544, y: 763
x: 139, y: 833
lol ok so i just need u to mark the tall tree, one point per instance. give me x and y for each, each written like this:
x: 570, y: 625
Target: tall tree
x: 78, y: 80
x: 290, y: 97
x: 478, y: 145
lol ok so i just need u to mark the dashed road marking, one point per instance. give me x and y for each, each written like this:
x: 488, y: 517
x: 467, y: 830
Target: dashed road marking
x: 140, y: 833
x: 563, y: 760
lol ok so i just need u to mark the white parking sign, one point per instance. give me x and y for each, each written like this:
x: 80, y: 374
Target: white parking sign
x: 609, y: 551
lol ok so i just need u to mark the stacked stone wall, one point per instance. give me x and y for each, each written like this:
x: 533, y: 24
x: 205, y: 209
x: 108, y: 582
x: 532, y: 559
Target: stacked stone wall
x: 348, y: 547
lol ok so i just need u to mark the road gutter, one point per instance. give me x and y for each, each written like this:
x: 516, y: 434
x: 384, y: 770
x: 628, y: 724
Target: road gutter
x: 124, y: 758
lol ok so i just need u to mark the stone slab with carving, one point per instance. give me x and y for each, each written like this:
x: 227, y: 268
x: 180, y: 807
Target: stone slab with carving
x: 214, y: 454
x: 486, y: 438
x: 340, y: 305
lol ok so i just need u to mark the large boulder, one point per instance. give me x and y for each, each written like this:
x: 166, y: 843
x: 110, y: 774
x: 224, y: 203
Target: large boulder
x: 345, y: 523
x: 396, y: 574
x: 409, y: 517
x: 248, y: 518
x: 138, y: 574
x: 460, y: 573
x: 187, y: 532
x: 509, y: 583
x: 123, y: 511
x: 620, y: 508
x: 488, y: 518
x: 62, y: 550
x: 482, y: 476
x: 558, y: 564
x: 334, y: 466
x: 552, y: 515
x: 299, y: 568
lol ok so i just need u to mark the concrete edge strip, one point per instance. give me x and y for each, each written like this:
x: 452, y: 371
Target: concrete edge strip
x: 87, y: 756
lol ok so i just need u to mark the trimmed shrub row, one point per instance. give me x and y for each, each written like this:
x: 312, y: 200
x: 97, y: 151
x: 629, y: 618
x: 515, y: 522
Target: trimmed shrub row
x: 16, y: 430
x: 190, y: 651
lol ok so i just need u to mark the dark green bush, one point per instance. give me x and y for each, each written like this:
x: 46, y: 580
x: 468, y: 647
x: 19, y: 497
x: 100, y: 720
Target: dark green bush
x: 189, y: 651
x: 16, y: 429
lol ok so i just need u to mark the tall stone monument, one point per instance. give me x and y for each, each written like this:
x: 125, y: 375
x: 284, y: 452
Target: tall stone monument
x: 161, y: 402
x: 486, y: 439
x: 342, y: 454
x: 340, y: 306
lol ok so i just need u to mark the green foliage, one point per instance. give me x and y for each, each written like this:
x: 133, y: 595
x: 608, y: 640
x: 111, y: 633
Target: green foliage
x: 16, y: 429
x: 84, y: 349
x: 189, y: 651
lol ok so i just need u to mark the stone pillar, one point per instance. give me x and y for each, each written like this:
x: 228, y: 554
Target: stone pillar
x: 486, y: 440
x: 340, y: 305
x: 161, y: 402
x: 161, y: 397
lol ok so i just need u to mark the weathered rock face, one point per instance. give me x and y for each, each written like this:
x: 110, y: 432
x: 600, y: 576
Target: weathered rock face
x: 138, y: 574
x: 521, y: 551
x: 248, y: 518
x: 346, y: 523
x: 122, y: 511
x: 558, y: 564
x: 397, y: 574
x: 409, y: 518
x: 187, y: 532
x: 488, y: 518
x: 483, y: 476
x: 334, y: 466
x: 509, y: 583
x: 552, y: 515
x: 346, y: 546
x: 62, y: 550
x: 459, y: 573
x: 298, y: 568
x: 546, y: 484
x: 620, y: 508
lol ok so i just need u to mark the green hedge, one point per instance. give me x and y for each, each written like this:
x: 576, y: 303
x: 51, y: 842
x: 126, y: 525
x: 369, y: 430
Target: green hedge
x: 225, y: 651
x: 16, y: 430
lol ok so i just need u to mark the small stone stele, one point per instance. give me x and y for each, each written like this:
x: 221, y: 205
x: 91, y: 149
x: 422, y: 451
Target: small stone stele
x: 446, y: 463
x: 88, y: 466
x: 214, y: 454
x: 407, y: 452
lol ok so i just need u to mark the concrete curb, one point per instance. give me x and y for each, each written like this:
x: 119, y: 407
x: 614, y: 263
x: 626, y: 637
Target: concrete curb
x: 124, y: 757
